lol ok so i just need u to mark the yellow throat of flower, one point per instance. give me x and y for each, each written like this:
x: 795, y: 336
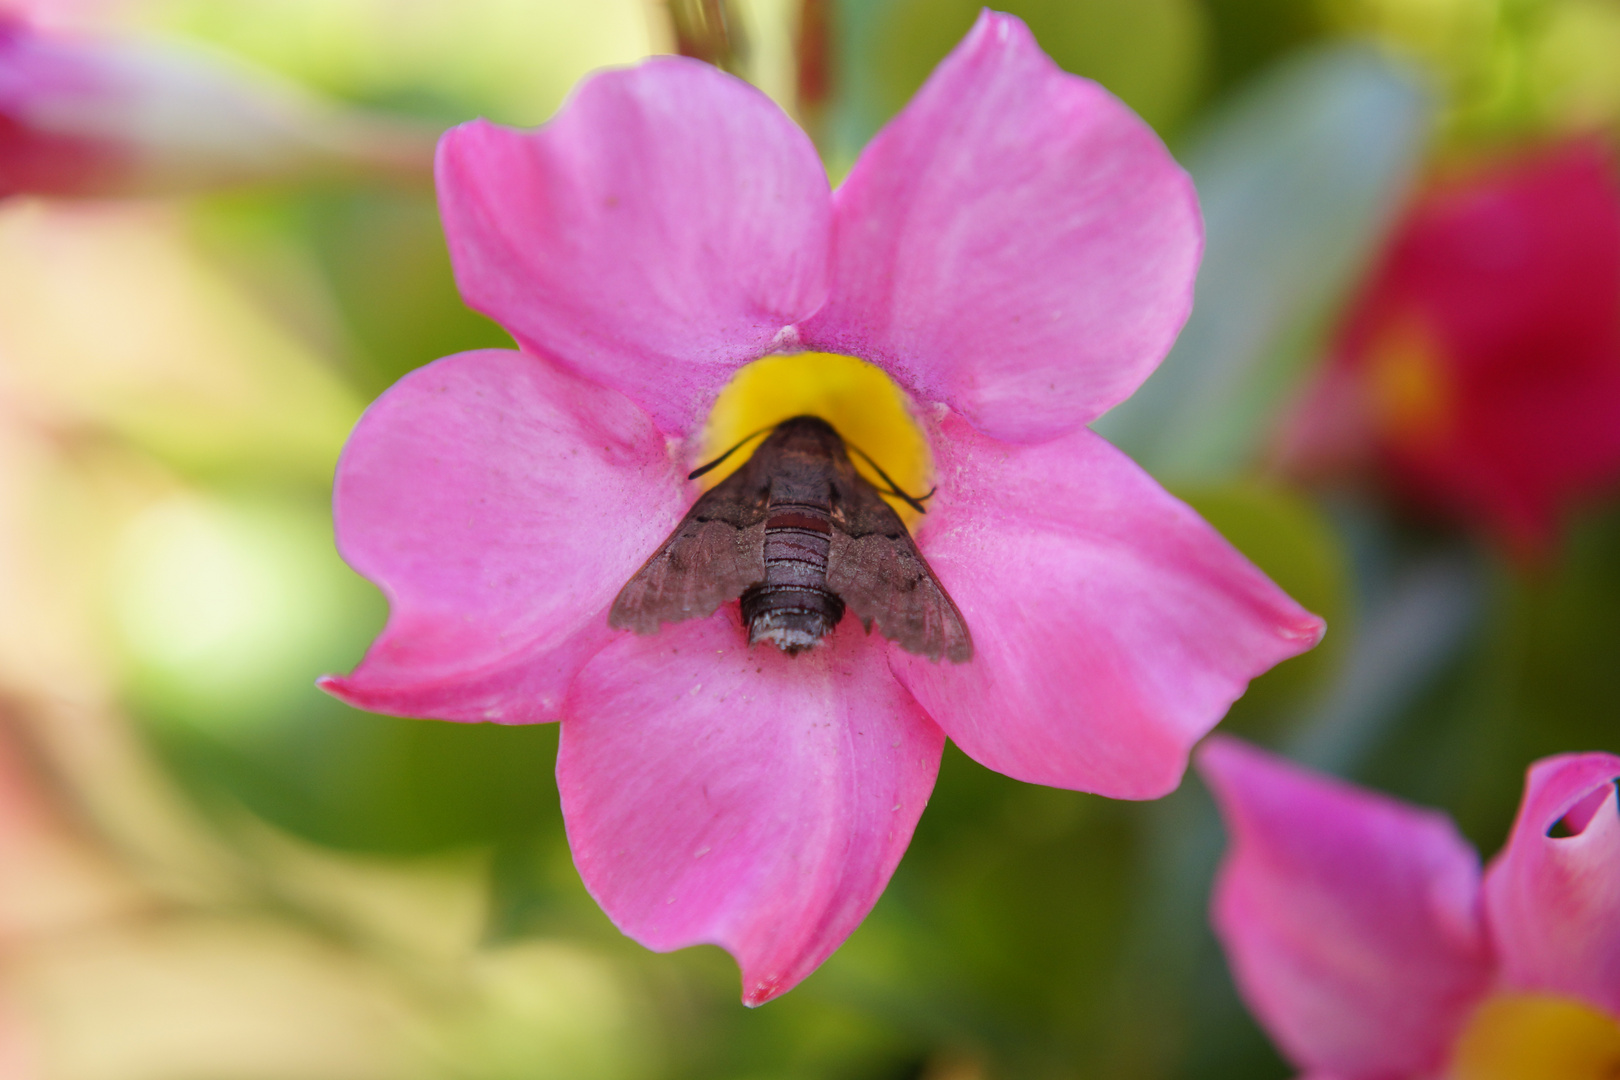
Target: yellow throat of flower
x: 1411, y: 392
x: 864, y: 404
x: 1531, y: 1037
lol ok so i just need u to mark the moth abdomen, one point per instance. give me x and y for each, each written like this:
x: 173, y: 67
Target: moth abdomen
x: 797, y: 539
x: 793, y: 609
x: 791, y: 617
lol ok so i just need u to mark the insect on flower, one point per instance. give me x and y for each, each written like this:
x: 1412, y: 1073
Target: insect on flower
x: 798, y: 535
x: 1010, y: 257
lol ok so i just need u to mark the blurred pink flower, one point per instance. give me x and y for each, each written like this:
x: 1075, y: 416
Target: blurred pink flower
x: 1482, y: 362
x: 1362, y: 936
x: 85, y: 115
x: 1017, y: 250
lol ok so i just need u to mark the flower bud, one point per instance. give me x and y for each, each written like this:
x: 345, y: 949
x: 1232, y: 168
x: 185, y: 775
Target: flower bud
x: 94, y: 116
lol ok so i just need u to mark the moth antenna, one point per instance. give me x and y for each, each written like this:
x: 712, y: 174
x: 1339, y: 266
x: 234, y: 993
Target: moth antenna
x: 701, y: 469
x: 909, y: 500
x: 894, y: 488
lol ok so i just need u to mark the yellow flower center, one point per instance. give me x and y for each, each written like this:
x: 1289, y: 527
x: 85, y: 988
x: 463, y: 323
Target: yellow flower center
x: 868, y: 409
x: 1411, y: 392
x: 1532, y: 1037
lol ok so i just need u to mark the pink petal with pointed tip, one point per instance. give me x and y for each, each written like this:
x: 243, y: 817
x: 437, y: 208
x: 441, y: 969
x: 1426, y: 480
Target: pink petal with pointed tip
x: 1016, y: 243
x: 500, y: 503
x: 722, y: 794
x: 1350, y: 919
x: 659, y: 232
x: 1112, y: 627
x: 1554, y: 901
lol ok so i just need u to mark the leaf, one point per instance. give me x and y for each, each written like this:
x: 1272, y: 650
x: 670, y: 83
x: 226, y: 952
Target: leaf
x: 227, y: 610
x: 1298, y: 178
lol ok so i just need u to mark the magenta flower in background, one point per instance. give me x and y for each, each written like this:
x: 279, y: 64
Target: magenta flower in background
x: 1017, y: 250
x: 1481, y: 365
x: 1362, y: 936
x: 83, y: 115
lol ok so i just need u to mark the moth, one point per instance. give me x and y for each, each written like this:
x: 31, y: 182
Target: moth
x: 799, y: 536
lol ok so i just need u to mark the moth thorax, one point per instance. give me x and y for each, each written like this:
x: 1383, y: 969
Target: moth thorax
x: 791, y: 618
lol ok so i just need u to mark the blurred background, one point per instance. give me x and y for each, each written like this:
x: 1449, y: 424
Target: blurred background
x: 1399, y: 393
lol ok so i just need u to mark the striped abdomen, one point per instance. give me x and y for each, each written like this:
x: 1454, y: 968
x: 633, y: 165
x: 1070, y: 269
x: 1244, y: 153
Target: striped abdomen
x: 793, y: 609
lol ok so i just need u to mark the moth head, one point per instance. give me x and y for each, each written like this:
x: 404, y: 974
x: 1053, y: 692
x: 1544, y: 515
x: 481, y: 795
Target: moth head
x: 808, y: 435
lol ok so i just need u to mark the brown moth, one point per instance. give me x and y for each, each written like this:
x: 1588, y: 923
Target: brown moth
x: 799, y: 535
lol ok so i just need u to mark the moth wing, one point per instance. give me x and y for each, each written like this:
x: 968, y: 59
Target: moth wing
x: 714, y: 554
x: 877, y: 571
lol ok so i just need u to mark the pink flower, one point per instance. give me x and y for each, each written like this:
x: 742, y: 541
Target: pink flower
x: 91, y: 116
x: 1481, y: 365
x: 1362, y: 937
x: 1017, y: 250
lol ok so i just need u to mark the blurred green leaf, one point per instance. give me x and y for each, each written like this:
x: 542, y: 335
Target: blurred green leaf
x: 223, y: 603
x: 363, y: 276
x: 1412, y: 631
x: 117, y: 321
x: 229, y: 608
x: 510, y: 60
x: 1537, y: 679
x: 1248, y: 35
x: 384, y: 255
x: 1150, y: 53
x: 1508, y: 71
x: 1298, y: 178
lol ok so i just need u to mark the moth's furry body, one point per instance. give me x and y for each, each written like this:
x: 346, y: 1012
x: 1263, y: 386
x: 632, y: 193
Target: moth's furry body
x: 799, y: 535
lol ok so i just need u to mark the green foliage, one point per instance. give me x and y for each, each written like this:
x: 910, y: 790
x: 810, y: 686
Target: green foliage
x: 1248, y: 35
x: 229, y: 608
x: 1536, y: 679
x: 1149, y: 53
x: 385, y: 259
x: 1299, y: 175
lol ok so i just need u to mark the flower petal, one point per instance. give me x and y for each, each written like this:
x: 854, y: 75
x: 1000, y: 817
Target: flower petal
x: 1554, y: 900
x: 1016, y: 243
x: 655, y: 235
x: 500, y: 504
x: 1350, y: 919
x: 1112, y: 627
x: 722, y: 794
